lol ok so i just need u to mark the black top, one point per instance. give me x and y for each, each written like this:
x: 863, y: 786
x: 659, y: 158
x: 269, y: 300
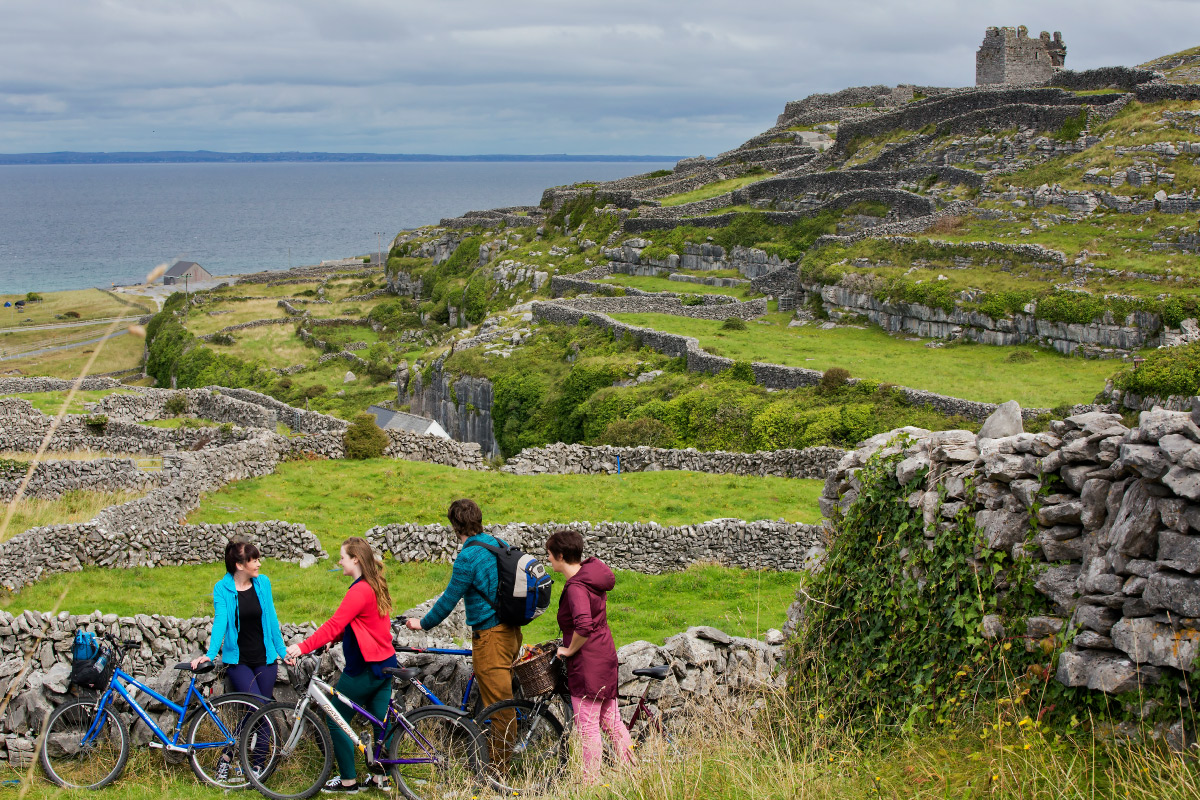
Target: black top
x: 252, y: 650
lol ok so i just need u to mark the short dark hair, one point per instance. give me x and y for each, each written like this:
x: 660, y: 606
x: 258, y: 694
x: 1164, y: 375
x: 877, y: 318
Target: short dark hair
x: 465, y: 517
x: 567, y: 545
x: 239, y: 551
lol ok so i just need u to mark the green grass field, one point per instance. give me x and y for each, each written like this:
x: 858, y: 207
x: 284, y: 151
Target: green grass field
x: 972, y: 372
x: 336, y: 499
x: 76, y: 505
x: 51, y: 402
x: 88, y: 303
x: 120, y: 352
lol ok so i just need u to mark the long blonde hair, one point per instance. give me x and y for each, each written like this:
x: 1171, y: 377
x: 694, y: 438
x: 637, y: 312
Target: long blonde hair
x: 372, y: 571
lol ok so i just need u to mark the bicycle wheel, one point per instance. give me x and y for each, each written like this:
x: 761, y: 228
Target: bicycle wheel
x: 71, y: 760
x: 213, y: 748
x: 447, y: 748
x: 283, y: 756
x: 527, y: 746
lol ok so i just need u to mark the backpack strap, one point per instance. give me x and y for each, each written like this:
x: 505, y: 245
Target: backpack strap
x: 494, y: 550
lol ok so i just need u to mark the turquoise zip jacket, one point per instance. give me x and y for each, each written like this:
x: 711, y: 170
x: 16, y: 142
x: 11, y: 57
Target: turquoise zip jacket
x: 474, y: 581
x: 225, y: 621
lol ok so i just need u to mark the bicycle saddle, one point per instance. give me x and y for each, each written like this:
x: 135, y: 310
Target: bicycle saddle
x: 658, y: 673
x: 207, y: 666
x: 403, y: 673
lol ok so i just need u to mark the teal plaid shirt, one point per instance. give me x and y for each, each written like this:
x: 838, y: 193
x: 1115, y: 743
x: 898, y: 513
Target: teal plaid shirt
x: 473, y: 578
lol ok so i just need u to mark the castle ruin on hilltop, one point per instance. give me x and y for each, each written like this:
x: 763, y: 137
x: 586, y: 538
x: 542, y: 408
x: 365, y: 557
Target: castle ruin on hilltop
x: 1009, y: 56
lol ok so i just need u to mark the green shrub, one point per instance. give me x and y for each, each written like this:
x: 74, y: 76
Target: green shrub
x: 1073, y: 127
x: 223, y: 339
x: 71, y: 314
x: 474, y: 302
x: 464, y: 258
x: 643, y: 431
x: 176, y: 404
x: 364, y: 438
x: 33, y: 297
x: 691, y: 300
x: 833, y: 379
x: 225, y: 429
x: 314, y: 391
x: 740, y: 371
x: 659, y: 173
x: 1020, y: 357
x: 1169, y: 371
x: 96, y: 423
x: 733, y: 324
x: 396, y: 315
x: 366, y: 259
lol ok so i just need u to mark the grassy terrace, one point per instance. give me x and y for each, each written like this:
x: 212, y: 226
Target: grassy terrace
x: 650, y: 284
x: 51, y: 402
x: 972, y: 372
x: 714, y: 189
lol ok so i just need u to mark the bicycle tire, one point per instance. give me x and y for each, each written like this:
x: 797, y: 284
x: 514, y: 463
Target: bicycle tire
x: 294, y: 776
x: 527, y: 750
x: 200, y: 729
x: 453, y: 737
x: 63, y: 731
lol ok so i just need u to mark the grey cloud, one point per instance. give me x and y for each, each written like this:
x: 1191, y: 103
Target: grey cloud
x: 480, y: 76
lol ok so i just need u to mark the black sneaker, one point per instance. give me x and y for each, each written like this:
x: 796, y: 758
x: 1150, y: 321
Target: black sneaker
x: 222, y: 771
x: 381, y: 782
x: 335, y: 786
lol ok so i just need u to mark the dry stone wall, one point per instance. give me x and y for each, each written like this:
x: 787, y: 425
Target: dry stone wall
x: 638, y: 546
x: 1116, y: 516
x: 51, y: 479
x: 577, y: 459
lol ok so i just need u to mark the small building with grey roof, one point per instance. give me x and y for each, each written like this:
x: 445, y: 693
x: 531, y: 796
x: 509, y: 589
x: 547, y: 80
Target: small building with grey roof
x: 391, y: 420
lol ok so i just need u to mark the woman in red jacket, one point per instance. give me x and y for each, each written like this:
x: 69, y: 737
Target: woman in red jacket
x: 588, y: 648
x: 363, y: 620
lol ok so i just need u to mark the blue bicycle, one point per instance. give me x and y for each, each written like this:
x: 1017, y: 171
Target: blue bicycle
x: 86, y: 743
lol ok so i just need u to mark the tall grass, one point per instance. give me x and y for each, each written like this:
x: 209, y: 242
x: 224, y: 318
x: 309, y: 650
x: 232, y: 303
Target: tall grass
x: 76, y: 505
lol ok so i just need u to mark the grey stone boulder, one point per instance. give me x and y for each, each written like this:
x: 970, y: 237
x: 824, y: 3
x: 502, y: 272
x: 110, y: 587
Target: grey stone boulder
x: 1181, y: 450
x: 349, y: 377
x: 1146, y: 460
x: 1097, y: 423
x: 1055, y: 549
x: 1180, y: 552
x: 1105, y: 671
x: 1092, y: 500
x: 1096, y: 618
x: 1043, y: 626
x: 1004, y: 468
x: 1184, y: 482
x: 1004, y: 421
x: 1059, y: 585
x: 1136, y: 522
x: 1146, y: 640
x: 956, y: 445
x: 1156, y: 424
x: 1061, y: 513
x: 1002, y: 529
x: 910, y: 467
x: 1174, y: 593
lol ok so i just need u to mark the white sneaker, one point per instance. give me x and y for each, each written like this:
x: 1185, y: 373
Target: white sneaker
x: 335, y: 786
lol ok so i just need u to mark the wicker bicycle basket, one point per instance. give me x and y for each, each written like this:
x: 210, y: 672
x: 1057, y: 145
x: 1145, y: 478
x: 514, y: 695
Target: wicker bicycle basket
x: 538, y: 675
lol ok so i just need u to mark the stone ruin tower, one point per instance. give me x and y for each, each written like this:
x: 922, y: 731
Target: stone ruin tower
x: 1009, y: 56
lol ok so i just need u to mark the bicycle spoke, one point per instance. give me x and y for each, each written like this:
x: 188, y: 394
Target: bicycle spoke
x: 446, y: 750
x: 526, y: 746
x: 81, y: 751
x: 282, y: 759
x: 219, y: 765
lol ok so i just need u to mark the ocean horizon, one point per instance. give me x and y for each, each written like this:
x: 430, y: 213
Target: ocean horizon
x: 75, y: 226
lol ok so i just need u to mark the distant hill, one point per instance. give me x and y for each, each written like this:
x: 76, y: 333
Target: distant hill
x: 211, y: 157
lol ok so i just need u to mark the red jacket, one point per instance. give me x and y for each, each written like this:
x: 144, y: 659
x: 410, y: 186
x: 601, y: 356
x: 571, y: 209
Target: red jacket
x: 360, y: 610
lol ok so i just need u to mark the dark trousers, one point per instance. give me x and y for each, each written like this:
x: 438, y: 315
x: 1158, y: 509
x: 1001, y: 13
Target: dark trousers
x: 259, y: 681
x: 254, y: 680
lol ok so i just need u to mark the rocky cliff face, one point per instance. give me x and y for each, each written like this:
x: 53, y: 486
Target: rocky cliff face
x: 461, y: 405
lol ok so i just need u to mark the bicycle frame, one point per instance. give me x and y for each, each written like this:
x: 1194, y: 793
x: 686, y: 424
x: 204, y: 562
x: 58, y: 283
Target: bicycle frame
x: 117, y: 684
x: 441, y: 651
x: 322, y: 694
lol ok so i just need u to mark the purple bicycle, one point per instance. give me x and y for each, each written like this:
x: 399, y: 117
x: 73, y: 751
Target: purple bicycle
x: 430, y: 752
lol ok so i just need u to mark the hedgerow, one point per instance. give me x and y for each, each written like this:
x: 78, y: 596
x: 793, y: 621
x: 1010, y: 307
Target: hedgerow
x: 1165, y: 372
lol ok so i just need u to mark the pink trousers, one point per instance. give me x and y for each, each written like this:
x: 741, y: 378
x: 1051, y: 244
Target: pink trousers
x: 590, y: 717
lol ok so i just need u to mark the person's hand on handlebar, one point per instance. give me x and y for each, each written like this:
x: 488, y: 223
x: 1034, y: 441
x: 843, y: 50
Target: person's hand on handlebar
x: 413, y: 624
x: 293, y: 652
x: 198, y: 660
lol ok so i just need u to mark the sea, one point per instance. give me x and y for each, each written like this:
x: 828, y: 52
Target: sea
x: 75, y: 226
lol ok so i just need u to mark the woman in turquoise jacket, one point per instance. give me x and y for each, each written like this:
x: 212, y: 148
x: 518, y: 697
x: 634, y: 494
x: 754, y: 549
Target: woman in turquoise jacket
x: 245, y: 627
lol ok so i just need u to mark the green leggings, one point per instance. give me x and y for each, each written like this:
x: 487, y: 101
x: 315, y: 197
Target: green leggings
x: 372, y: 694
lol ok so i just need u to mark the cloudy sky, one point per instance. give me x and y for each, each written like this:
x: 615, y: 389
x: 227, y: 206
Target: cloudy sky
x: 481, y: 76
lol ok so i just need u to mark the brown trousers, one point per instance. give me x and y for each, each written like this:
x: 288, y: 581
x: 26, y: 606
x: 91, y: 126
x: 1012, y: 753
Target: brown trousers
x: 493, y: 653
